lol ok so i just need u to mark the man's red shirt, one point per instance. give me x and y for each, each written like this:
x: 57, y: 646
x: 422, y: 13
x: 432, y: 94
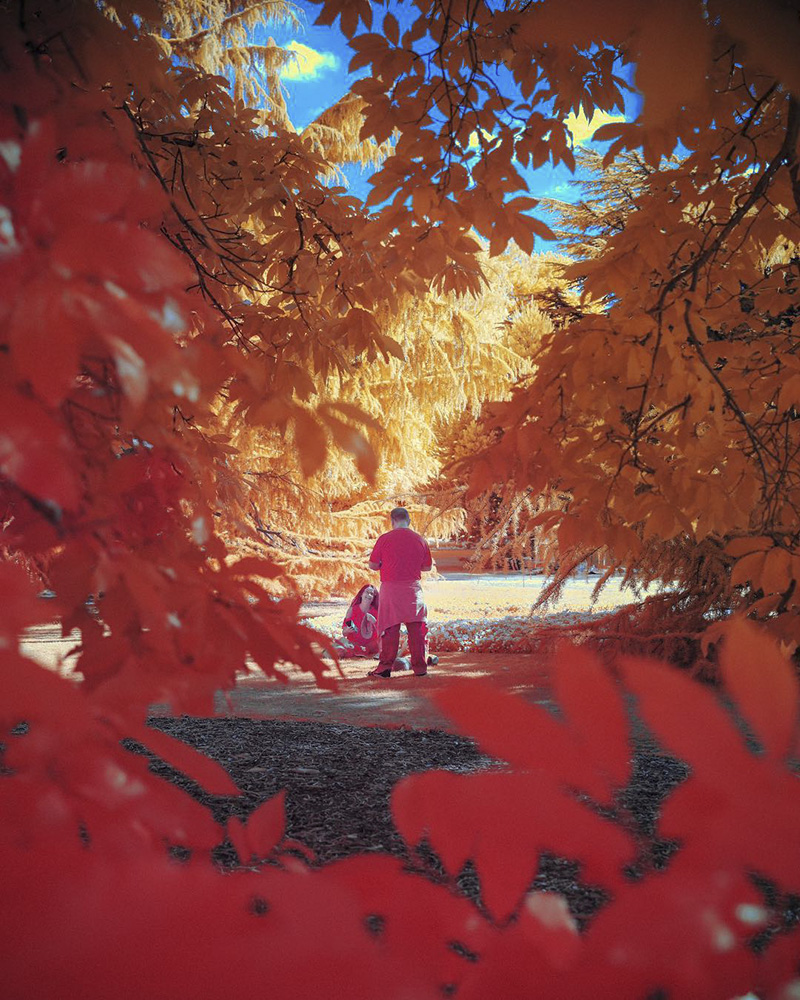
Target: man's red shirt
x: 403, y: 555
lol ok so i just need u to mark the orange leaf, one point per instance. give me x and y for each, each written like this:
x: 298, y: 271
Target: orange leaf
x: 777, y: 573
x: 738, y: 547
x: 748, y: 570
x: 354, y: 413
x: 391, y: 28
x: 309, y: 438
x: 354, y: 441
x: 389, y: 347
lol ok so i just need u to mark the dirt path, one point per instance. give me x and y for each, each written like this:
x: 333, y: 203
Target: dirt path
x: 359, y: 700
x: 462, y: 607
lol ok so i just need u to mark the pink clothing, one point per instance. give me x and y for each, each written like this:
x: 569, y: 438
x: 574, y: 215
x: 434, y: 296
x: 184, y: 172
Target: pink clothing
x: 390, y: 642
x: 402, y: 555
x: 366, y: 634
x: 401, y: 602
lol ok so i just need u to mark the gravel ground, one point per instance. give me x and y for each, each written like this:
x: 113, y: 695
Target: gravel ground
x: 339, y: 778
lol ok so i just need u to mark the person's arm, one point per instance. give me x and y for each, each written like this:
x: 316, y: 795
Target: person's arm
x: 427, y: 558
x: 375, y: 556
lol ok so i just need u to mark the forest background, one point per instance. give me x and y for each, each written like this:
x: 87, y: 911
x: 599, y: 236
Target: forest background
x: 219, y: 367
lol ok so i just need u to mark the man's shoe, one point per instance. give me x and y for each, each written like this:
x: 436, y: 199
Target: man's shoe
x: 379, y: 673
x: 420, y: 673
x: 433, y: 660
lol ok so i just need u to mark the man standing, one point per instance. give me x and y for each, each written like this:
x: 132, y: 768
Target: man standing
x: 401, y: 555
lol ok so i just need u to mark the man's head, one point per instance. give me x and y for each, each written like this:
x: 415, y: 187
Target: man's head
x: 400, y: 518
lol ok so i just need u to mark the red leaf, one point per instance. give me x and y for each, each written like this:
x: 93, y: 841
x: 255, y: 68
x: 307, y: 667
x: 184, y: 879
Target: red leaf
x: 131, y: 258
x: 262, y: 831
x: 254, y: 566
x: 525, y: 735
x: 548, y: 925
x: 33, y: 693
x: 762, y: 681
x: 687, y: 716
x: 265, y: 826
x: 290, y: 844
x: 44, y: 325
x: 238, y: 837
x: 35, y: 452
x: 699, y: 949
x: 19, y: 602
x: 591, y: 701
x: 195, y: 765
x: 419, y: 921
x: 101, y: 656
x: 748, y: 814
x: 86, y: 192
x: 122, y: 800
x: 416, y: 805
x: 131, y: 370
x: 503, y: 821
x: 681, y: 933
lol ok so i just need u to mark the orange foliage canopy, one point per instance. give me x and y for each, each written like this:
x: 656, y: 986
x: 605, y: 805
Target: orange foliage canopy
x: 666, y: 421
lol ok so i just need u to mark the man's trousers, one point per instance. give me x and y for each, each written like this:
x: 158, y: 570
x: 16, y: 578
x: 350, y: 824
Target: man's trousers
x: 390, y: 643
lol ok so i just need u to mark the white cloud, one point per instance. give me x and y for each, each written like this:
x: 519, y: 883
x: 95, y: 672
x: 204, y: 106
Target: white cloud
x: 307, y: 64
x: 583, y: 128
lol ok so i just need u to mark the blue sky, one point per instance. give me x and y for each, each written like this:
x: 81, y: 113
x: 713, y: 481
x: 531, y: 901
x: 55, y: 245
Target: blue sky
x: 320, y: 77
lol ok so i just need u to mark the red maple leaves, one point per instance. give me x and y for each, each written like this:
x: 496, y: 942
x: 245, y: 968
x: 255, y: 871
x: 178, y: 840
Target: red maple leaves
x: 687, y: 930
x: 503, y: 821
